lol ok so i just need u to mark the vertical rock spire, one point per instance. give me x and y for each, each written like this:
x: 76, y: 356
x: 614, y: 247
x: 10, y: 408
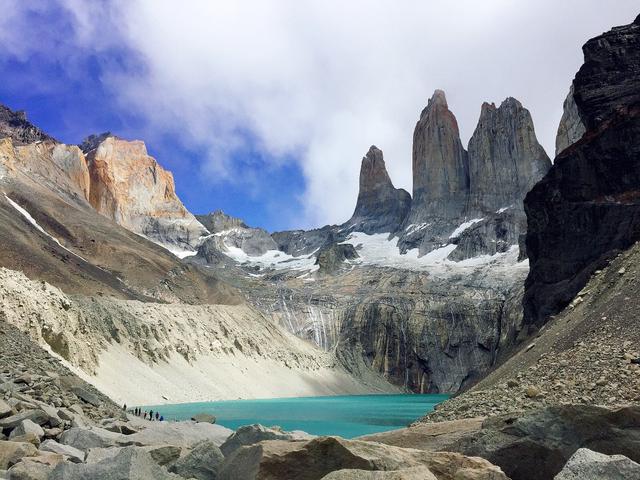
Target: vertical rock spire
x: 381, y: 207
x: 440, y: 164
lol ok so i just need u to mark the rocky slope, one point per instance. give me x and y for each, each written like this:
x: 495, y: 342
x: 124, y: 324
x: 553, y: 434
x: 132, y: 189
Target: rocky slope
x: 175, y: 352
x: 15, y: 125
x: 129, y: 187
x: 592, y: 190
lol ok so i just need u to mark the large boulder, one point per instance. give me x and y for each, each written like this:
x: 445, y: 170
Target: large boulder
x: 5, y: 409
x: 12, y: 452
x: 84, y: 438
x: 73, y: 454
x: 416, y: 473
x: 182, y: 434
x: 27, y: 426
x: 36, y: 416
x: 161, y: 454
x: 128, y: 464
x: 252, y: 434
x: 313, y: 459
x: 201, y: 463
x: 586, y: 464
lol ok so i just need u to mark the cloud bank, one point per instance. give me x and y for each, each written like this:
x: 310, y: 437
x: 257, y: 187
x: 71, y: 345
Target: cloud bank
x: 318, y: 82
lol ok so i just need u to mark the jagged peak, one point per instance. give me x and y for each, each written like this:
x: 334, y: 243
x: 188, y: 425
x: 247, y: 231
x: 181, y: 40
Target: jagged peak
x: 94, y: 140
x: 14, y: 124
x: 438, y: 99
x: 511, y: 102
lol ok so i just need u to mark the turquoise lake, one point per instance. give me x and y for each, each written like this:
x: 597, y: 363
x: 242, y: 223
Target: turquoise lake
x: 347, y: 416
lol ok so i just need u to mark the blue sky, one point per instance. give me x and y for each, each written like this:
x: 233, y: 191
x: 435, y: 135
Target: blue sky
x: 264, y: 109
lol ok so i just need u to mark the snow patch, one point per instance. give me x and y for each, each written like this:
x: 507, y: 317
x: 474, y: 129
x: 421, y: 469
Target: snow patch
x: 272, y: 259
x: 415, y: 227
x: 464, y: 226
x: 378, y: 250
x: 503, y: 209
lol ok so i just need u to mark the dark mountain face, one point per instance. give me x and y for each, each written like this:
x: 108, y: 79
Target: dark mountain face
x: 16, y: 126
x: 587, y: 208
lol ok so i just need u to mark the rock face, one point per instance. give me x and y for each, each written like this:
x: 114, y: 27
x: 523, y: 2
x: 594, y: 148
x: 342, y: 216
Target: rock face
x: 16, y: 126
x: 332, y: 257
x: 593, y: 189
x: 571, y: 128
x: 586, y: 464
x: 440, y: 164
x: 505, y: 158
x: 128, y: 186
x: 380, y: 207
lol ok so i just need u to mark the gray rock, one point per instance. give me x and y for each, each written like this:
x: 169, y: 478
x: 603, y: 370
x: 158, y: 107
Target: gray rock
x: 331, y: 257
x: 182, y: 434
x: 75, y: 455
x: 416, y: 473
x: 27, y: 426
x: 252, y: 434
x: 128, y: 464
x: 202, y: 463
x: 5, y: 409
x: 161, y: 454
x: 87, y: 396
x: 204, y: 418
x: 36, y: 416
x: 586, y: 464
x: 12, y: 452
x: 505, y: 158
x: 30, y: 470
x: 84, y: 438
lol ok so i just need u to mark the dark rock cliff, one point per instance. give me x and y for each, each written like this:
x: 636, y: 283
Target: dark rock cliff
x: 381, y: 207
x: 16, y: 126
x: 587, y: 208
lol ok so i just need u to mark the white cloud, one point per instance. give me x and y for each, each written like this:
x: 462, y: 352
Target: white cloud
x: 321, y: 80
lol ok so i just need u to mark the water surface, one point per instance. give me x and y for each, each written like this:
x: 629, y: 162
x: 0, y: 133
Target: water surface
x: 347, y: 416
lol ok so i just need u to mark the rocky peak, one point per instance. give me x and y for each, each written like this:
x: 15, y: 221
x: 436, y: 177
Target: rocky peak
x: 93, y: 141
x: 14, y: 124
x: 380, y: 207
x: 505, y: 158
x: 130, y: 187
x: 440, y: 164
x: 218, y: 221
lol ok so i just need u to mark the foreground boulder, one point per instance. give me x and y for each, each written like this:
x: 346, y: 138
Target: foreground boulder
x: 181, y: 434
x: 314, y: 459
x: 586, y: 464
x: 417, y: 473
x: 128, y: 464
x: 201, y: 463
x: 12, y: 452
x: 252, y: 434
x: 534, y: 445
x: 84, y: 438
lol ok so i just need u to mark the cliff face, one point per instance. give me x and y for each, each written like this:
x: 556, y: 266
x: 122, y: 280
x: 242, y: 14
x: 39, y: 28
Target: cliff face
x: 380, y: 207
x: 587, y: 208
x: 505, y: 158
x: 440, y: 164
x: 128, y: 186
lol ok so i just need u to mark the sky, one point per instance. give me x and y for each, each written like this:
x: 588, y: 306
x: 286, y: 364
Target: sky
x: 265, y: 108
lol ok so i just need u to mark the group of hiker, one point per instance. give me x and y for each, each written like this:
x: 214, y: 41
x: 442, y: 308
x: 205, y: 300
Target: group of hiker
x: 150, y: 415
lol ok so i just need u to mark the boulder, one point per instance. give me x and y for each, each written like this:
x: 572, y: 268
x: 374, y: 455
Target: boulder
x: 36, y: 416
x: 252, y: 434
x: 201, y: 463
x: 161, y: 454
x: 87, y: 396
x: 5, y: 409
x: 27, y: 426
x: 28, y: 470
x: 181, y: 434
x: 586, y: 464
x: 204, y: 418
x: 27, y: 437
x: 416, y: 473
x: 313, y: 459
x: 12, y: 452
x: 84, y: 438
x: 75, y: 455
x: 129, y: 463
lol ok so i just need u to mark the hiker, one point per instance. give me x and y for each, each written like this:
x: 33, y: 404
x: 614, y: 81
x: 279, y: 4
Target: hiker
x: 124, y: 407
x: 145, y: 415
x: 157, y: 416
x: 150, y: 414
x: 161, y: 418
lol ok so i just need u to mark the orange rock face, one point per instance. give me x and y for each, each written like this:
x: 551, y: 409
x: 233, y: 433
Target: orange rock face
x: 130, y: 187
x: 60, y: 166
